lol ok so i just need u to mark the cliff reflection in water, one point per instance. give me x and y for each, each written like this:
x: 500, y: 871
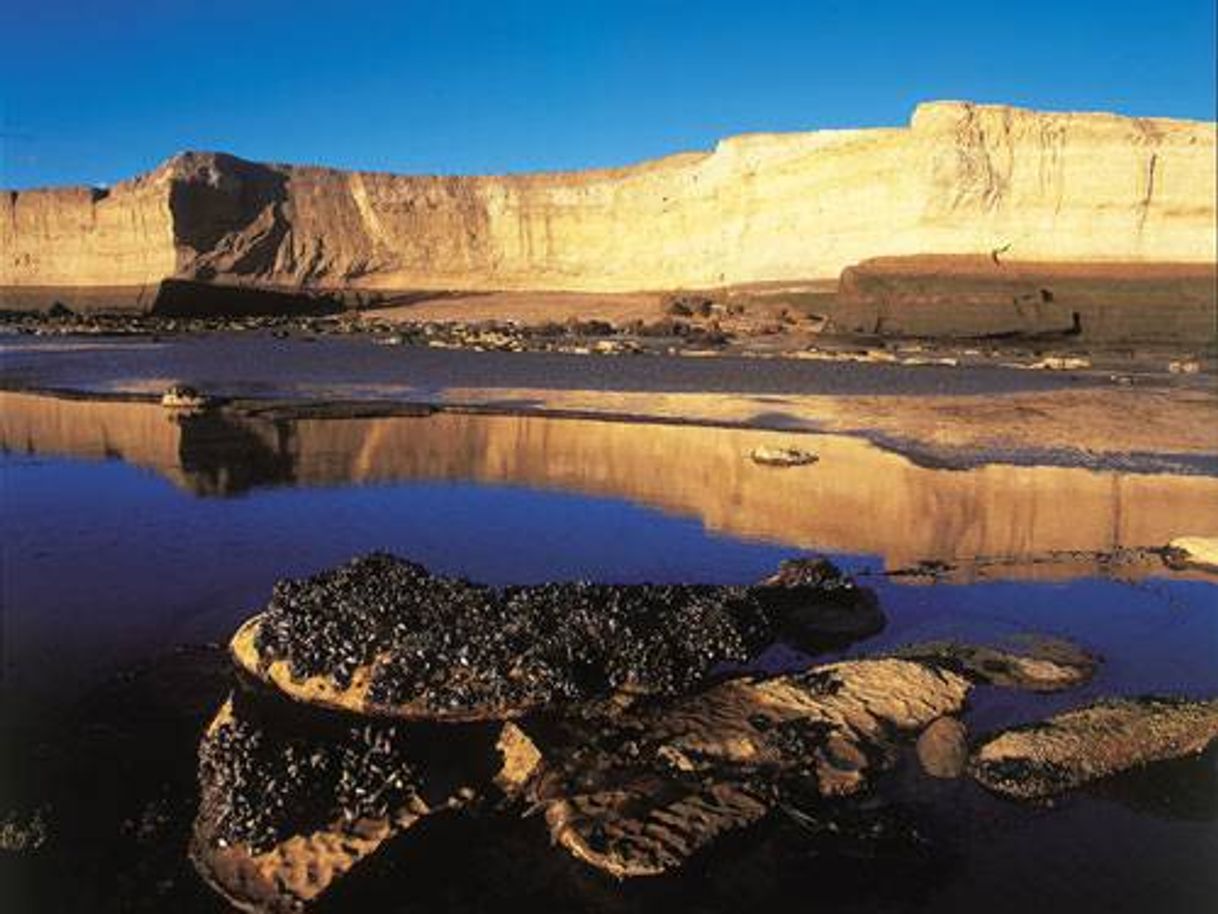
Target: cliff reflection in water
x: 857, y: 499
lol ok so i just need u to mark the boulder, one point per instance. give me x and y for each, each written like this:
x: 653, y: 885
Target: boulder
x: 1044, y: 759
x: 384, y: 636
x: 943, y: 748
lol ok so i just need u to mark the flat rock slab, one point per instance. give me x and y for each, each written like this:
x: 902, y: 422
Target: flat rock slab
x: 639, y: 794
x: 384, y: 636
x: 1071, y: 749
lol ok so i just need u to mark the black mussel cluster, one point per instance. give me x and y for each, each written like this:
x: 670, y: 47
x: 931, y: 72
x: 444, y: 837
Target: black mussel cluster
x: 269, y: 782
x: 449, y: 645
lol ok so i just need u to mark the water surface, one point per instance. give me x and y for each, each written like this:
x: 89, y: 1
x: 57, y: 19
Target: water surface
x: 132, y: 540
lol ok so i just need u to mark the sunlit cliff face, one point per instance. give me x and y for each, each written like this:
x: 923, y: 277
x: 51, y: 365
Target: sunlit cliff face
x: 961, y: 179
x: 856, y: 498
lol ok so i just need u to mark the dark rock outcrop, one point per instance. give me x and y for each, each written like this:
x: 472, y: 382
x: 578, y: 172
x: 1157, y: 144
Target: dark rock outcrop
x: 381, y: 635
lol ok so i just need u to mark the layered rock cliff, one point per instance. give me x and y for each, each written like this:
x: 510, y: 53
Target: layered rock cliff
x: 961, y: 179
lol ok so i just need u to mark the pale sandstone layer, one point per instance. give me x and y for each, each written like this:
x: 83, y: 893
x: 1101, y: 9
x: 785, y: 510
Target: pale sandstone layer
x: 961, y: 179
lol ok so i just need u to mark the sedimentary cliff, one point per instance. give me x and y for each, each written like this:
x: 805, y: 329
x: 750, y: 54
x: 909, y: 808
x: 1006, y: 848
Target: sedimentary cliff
x: 961, y: 179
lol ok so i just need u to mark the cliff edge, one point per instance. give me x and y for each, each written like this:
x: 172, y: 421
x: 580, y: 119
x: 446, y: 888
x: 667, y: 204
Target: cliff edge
x: 961, y: 179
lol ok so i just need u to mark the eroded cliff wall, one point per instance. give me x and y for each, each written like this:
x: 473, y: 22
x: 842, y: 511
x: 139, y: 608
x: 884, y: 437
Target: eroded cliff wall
x: 962, y: 179
x: 89, y: 237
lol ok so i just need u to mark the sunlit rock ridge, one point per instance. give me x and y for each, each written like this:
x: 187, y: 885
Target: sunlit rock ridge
x: 960, y: 179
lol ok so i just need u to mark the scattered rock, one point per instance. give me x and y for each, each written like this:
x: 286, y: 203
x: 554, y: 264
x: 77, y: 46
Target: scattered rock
x: 1061, y: 363
x: 943, y: 748
x: 1071, y: 749
x: 781, y: 456
x: 1184, y: 366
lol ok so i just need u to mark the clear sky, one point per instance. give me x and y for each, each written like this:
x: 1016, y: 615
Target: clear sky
x: 92, y: 91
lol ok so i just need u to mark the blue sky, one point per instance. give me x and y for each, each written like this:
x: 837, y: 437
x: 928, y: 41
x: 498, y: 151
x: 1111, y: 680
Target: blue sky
x: 92, y: 92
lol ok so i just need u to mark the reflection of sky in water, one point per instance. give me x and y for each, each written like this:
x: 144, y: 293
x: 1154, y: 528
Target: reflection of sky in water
x: 105, y: 564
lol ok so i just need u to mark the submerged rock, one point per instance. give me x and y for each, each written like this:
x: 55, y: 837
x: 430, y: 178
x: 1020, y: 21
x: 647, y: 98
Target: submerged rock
x: 1045, y: 665
x: 640, y: 793
x: 1071, y: 749
x: 384, y: 636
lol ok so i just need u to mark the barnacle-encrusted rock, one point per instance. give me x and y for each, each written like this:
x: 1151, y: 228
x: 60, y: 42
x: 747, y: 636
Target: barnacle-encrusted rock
x: 1043, y: 665
x: 639, y: 793
x: 1066, y: 751
x: 287, y: 807
x: 381, y: 635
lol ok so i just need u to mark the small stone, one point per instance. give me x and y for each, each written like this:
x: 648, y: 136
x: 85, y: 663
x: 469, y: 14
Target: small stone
x: 781, y: 456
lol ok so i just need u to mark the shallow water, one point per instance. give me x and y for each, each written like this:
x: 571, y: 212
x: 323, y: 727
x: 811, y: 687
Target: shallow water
x: 258, y: 364
x: 128, y: 538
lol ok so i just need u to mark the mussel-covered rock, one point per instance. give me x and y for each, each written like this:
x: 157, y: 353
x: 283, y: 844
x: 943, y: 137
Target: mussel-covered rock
x: 1071, y: 749
x: 639, y: 793
x: 384, y: 636
x: 819, y: 607
x: 289, y: 805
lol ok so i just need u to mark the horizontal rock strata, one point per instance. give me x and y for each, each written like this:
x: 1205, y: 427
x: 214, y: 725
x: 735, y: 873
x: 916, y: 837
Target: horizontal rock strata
x: 961, y: 179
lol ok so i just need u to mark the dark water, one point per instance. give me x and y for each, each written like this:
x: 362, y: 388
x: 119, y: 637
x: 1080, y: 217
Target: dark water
x: 119, y: 573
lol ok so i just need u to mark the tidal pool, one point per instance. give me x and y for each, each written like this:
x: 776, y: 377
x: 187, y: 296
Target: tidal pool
x: 134, y: 544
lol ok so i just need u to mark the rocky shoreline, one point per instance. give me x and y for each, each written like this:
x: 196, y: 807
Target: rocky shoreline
x: 636, y: 785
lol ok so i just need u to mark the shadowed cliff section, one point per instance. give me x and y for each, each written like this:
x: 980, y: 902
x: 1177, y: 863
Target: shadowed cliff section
x: 962, y: 179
